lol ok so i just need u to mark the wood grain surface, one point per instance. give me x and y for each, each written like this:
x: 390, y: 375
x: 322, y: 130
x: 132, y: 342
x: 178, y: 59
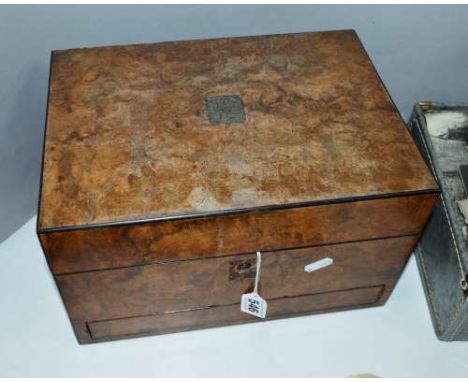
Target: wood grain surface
x: 135, y: 244
x: 128, y: 136
x: 189, y: 285
x: 167, y: 165
x: 230, y: 314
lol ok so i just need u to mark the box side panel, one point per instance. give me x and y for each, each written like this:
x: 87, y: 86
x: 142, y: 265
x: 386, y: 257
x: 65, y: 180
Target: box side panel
x: 460, y: 325
x: 440, y: 272
x: 201, y: 284
x: 136, y: 244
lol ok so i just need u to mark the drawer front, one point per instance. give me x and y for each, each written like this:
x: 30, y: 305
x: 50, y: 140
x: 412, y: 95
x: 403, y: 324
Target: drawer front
x: 224, y: 235
x: 228, y: 315
x: 183, y: 286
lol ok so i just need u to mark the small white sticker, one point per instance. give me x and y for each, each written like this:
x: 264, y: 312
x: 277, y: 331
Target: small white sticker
x: 316, y: 265
x: 253, y: 303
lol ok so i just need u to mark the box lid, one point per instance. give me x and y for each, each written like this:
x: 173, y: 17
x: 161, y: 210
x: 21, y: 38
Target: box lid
x: 192, y: 128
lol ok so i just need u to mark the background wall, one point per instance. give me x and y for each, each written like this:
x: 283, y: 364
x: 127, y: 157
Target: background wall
x: 421, y: 52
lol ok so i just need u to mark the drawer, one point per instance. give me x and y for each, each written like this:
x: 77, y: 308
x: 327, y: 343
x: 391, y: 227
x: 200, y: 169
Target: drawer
x: 228, y: 315
x: 230, y: 234
x: 220, y: 281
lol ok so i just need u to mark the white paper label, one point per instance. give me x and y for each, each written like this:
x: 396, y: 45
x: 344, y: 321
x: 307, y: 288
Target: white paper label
x: 316, y: 265
x: 253, y: 303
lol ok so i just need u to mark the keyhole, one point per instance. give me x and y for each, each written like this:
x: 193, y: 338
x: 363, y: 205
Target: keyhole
x: 243, y: 266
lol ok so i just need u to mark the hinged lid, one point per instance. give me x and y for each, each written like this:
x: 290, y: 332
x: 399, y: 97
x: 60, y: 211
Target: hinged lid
x: 194, y: 128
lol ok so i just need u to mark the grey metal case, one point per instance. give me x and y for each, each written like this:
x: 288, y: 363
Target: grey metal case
x: 441, y: 133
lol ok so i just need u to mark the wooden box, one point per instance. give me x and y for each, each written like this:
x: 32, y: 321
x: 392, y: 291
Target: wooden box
x: 168, y: 165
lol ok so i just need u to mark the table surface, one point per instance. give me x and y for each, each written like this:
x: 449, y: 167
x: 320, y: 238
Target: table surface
x: 396, y: 340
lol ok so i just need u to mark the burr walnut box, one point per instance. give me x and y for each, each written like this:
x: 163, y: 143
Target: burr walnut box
x: 167, y: 166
